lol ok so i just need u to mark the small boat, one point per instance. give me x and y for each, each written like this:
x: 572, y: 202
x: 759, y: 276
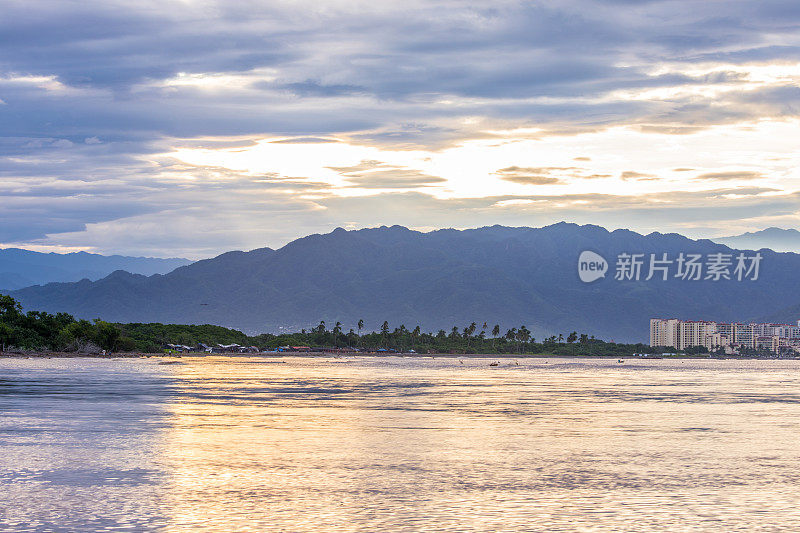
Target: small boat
x: 620, y: 361
x: 494, y: 364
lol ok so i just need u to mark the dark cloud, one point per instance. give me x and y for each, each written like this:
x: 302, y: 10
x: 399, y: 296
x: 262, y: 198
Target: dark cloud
x: 92, y: 93
x: 313, y: 88
x: 375, y: 65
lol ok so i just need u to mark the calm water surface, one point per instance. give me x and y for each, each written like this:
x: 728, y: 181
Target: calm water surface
x: 399, y: 444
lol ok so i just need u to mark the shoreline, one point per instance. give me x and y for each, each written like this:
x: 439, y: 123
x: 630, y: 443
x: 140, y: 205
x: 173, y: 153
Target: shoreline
x: 314, y: 355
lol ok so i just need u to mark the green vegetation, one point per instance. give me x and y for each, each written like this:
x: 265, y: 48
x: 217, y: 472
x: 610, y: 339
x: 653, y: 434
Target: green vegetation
x: 41, y: 331
x: 37, y: 330
x: 467, y: 340
x: 152, y: 337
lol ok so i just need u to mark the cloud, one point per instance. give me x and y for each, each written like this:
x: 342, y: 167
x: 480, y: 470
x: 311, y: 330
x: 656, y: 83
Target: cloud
x: 207, y: 220
x: 388, y: 65
x: 306, y: 140
x: 393, y: 179
x: 371, y: 174
x: 311, y: 88
x: 365, y: 164
x: 98, y: 97
x: 546, y: 175
x: 726, y: 176
x: 527, y: 175
x: 632, y: 175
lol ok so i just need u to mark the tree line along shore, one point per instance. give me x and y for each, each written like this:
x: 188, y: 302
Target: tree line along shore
x: 38, y: 331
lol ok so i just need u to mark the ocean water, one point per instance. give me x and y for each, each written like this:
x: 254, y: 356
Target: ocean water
x: 399, y: 444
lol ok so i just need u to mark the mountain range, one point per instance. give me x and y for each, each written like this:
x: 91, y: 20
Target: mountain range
x: 777, y: 239
x: 22, y: 268
x: 503, y: 275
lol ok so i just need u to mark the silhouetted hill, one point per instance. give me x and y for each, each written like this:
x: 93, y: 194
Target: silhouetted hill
x: 22, y: 268
x: 510, y: 276
x: 777, y: 239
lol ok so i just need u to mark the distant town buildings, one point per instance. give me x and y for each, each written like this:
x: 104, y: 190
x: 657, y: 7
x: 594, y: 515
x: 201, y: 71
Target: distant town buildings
x: 218, y: 348
x: 730, y: 337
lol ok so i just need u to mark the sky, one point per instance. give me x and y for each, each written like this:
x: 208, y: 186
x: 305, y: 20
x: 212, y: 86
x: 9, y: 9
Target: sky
x: 189, y: 128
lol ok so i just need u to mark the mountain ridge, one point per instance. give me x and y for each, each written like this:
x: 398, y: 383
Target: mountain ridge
x: 505, y: 275
x: 776, y: 239
x: 21, y: 268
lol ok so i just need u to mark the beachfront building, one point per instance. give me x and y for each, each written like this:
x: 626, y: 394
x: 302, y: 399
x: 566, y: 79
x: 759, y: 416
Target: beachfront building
x: 786, y: 331
x: 664, y: 332
x: 772, y: 343
x: 682, y: 334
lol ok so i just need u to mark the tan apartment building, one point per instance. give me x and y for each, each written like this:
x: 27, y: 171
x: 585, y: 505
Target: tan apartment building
x: 682, y: 334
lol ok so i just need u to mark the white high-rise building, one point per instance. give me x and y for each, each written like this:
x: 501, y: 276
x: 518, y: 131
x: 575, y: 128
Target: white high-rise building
x: 682, y: 334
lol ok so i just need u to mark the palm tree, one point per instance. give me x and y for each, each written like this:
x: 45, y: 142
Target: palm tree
x: 524, y: 336
x: 400, y: 334
x: 511, y: 334
x: 415, y: 335
x: 384, y: 332
x: 337, y: 330
x: 360, y: 327
x: 468, y: 331
x: 495, y: 333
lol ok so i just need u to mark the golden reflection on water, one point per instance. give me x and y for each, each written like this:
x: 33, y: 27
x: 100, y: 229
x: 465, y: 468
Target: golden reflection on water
x: 399, y: 444
x: 435, y: 445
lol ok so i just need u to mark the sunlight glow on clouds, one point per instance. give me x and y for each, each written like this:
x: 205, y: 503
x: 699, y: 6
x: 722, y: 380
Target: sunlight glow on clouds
x: 621, y: 160
x: 49, y: 83
x: 218, y: 81
x: 190, y: 128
